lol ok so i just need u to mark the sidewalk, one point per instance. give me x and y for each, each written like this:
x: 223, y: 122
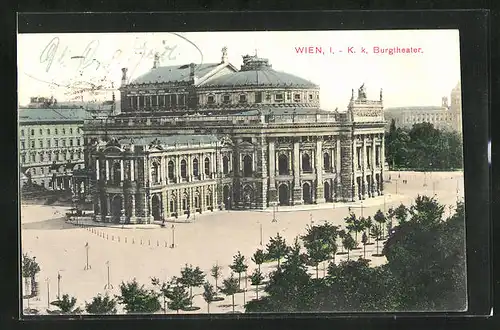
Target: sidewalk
x: 89, y: 222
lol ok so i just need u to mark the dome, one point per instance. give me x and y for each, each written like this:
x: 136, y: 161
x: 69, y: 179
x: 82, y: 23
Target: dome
x: 257, y: 72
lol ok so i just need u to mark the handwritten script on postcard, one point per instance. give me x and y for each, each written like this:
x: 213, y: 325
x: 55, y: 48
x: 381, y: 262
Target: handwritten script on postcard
x: 93, y: 67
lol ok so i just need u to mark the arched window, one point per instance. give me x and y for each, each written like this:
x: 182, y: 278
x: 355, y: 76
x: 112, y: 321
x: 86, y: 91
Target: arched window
x: 326, y: 161
x: 195, y: 167
x: 247, y: 166
x: 170, y: 170
x: 116, y: 172
x: 306, y: 162
x: 283, y: 165
x: 183, y: 169
x: 225, y: 165
x: 207, y: 166
x: 154, y: 173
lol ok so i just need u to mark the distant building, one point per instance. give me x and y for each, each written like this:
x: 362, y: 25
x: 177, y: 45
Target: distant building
x: 51, y: 142
x: 445, y: 117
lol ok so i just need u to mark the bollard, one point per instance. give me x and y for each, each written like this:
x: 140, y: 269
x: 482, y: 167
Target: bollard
x: 112, y: 237
x: 157, y: 243
x: 133, y: 241
x: 141, y: 241
x: 149, y: 242
x: 107, y: 236
x: 125, y: 240
x: 118, y: 238
x: 165, y: 243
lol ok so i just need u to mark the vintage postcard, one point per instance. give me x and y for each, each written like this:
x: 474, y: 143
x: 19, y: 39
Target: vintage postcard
x: 241, y: 172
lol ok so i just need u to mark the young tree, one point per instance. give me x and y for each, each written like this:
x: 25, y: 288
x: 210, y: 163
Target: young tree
x: 216, y: 273
x: 101, y: 305
x: 326, y: 234
x: 178, y: 297
x: 230, y: 287
x: 259, y: 257
x: 191, y: 277
x: 342, y: 234
x: 376, y: 233
x: 401, y: 213
x: 137, y: 299
x: 239, y: 266
x: 256, y: 279
x: 317, y: 253
x: 355, y: 225
x: 277, y: 248
x: 164, y: 289
x: 66, y: 305
x: 368, y: 226
x: 29, y: 269
x: 349, y: 243
x: 209, y: 294
x: 380, y: 218
x: 364, y: 240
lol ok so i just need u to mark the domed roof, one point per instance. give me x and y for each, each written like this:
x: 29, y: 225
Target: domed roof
x: 257, y: 72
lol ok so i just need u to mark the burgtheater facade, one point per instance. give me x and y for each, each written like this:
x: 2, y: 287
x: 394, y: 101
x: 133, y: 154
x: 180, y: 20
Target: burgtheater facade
x: 210, y: 137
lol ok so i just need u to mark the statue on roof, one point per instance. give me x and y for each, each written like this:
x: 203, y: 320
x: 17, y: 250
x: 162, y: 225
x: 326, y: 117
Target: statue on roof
x: 224, y: 54
x: 362, y: 92
x: 381, y: 94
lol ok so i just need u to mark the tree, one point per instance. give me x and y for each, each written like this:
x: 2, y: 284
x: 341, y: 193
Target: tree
x: 364, y: 240
x: 164, y: 289
x: 367, y: 225
x: 342, y: 234
x: 380, y: 219
x: 137, y: 299
x: 317, y: 253
x: 376, y: 233
x: 101, y: 305
x: 209, y: 294
x: 179, y: 297
x: 401, y: 213
x: 277, y: 248
x: 259, y: 257
x: 355, y: 225
x: 239, y: 266
x: 326, y: 234
x: 216, y: 273
x: 230, y: 286
x: 256, y: 279
x: 29, y: 269
x: 349, y: 244
x: 191, y: 277
x: 66, y: 305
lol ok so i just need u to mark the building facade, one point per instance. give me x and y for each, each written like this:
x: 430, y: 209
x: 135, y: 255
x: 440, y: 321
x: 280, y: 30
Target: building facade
x: 208, y: 137
x: 445, y: 117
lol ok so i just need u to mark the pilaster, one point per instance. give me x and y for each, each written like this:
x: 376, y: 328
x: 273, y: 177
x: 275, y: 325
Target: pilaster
x: 347, y: 167
x: 297, y: 189
x: 320, y: 193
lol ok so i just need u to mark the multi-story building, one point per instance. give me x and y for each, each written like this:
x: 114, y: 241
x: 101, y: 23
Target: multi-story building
x: 202, y: 138
x: 446, y: 117
x: 50, y: 142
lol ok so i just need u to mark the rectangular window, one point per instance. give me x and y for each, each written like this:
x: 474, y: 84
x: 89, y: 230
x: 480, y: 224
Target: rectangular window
x: 226, y: 98
x: 310, y: 97
x: 71, y: 130
x: 161, y: 100
x: 258, y: 97
x: 268, y: 97
x: 182, y: 99
x: 23, y: 159
x: 63, y: 143
x: 48, y: 131
x: 77, y: 142
x: 56, y: 143
x: 211, y: 99
x: 147, y: 101
x: 48, y: 143
x: 278, y: 97
x: 243, y: 98
x: 22, y: 132
x: 50, y: 157
x: 32, y: 132
x: 296, y: 97
x: 40, y: 142
x: 22, y: 145
x: 173, y: 100
x: 32, y: 144
x: 41, y: 131
x: 154, y: 100
x: 71, y: 142
x: 32, y: 157
x: 56, y: 131
x: 42, y: 170
x: 288, y: 96
x: 64, y: 131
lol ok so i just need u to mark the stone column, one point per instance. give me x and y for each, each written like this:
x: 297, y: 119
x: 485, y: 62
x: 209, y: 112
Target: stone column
x: 107, y: 170
x: 162, y: 171
x: 97, y: 174
x: 108, y: 204
x: 320, y: 195
x: 201, y: 166
x: 347, y: 167
x: 177, y: 169
x: 297, y: 189
x: 164, y: 204
x: 132, y: 170
x: 179, y: 202
x: 190, y: 168
x: 374, y: 183
x: 364, y: 182
x: 132, y: 209
x: 121, y: 171
x: 272, y: 171
x: 382, y: 165
x: 202, y: 199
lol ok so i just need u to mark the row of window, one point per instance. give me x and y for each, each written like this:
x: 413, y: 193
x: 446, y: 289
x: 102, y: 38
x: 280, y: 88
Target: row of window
x: 48, y: 157
x: 46, y: 170
x: 171, y: 100
x: 48, y: 130
x: 278, y: 97
x: 49, y: 143
x: 359, y: 154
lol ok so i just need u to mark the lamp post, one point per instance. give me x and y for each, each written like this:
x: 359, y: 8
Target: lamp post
x: 108, y: 286
x: 58, y: 285
x: 260, y: 234
x: 275, y: 206
x: 425, y: 179
x: 396, y: 186
x: 87, y: 247
x: 311, y: 218
x: 173, y: 236
x: 47, y: 280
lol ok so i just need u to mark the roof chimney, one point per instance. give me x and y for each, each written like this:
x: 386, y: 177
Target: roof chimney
x: 224, y: 54
x: 124, y: 76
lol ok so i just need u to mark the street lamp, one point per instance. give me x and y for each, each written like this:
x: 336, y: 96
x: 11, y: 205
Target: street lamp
x: 260, y: 234
x: 275, y: 206
x: 87, y: 247
x: 425, y: 179
x: 311, y: 218
x: 47, y: 280
x: 173, y: 236
x: 108, y: 286
x: 58, y: 285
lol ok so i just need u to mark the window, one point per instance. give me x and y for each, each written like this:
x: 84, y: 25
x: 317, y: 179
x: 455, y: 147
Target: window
x: 63, y: 142
x: 40, y: 143
x: 71, y: 130
x: 64, y: 131
x: 183, y: 169
x: 377, y: 156
x: 258, y: 97
x: 48, y: 131
x: 22, y: 132
x: 77, y: 142
x: 195, y: 167
x: 71, y: 142
x: 247, y: 166
x: 278, y: 97
x: 161, y: 100
x: 50, y: 157
x: 358, y: 153
x: 72, y: 156
x: 170, y: 170
x: 306, y: 162
x: 154, y: 173
x: 310, y: 97
x: 32, y: 144
x: 154, y: 100
x: 243, y: 98
x: 116, y: 172
x: 41, y: 170
x: 368, y: 157
x: 288, y: 96
x: 23, y: 159
x: 22, y: 145
x: 32, y: 157
x: 225, y: 165
x: 41, y: 131
x: 56, y: 131
x: 296, y: 97
x: 226, y: 98
x: 283, y: 168
x: 268, y: 97
x: 182, y: 99
x: 56, y: 142
x: 211, y: 99
x: 32, y: 132
x: 207, y: 166
x: 48, y: 143
x: 326, y: 161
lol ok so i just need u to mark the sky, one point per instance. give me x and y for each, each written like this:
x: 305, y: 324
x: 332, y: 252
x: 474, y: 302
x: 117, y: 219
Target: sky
x: 59, y: 65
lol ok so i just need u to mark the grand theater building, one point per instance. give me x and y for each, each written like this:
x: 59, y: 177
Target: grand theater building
x: 201, y: 138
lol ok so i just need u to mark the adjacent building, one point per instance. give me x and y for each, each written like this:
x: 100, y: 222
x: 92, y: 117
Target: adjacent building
x: 200, y: 138
x: 445, y: 117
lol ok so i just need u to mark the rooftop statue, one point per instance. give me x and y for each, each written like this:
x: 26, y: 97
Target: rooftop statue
x: 362, y: 92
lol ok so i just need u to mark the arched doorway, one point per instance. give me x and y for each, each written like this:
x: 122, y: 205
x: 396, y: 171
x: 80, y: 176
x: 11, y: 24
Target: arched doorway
x: 226, y: 198
x: 283, y: 165
x: 156, y: 208
x: 306, y: 163
x: 326, y: 191
x: 116, y: 208
x: 248, y: 196
x: 306, y: 193
x: 247, y: 166
x: 283, y: 194
x: 196, y: 201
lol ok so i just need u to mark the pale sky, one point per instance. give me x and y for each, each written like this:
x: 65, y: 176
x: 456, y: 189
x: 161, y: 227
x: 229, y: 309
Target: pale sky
x: 406, y: 79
